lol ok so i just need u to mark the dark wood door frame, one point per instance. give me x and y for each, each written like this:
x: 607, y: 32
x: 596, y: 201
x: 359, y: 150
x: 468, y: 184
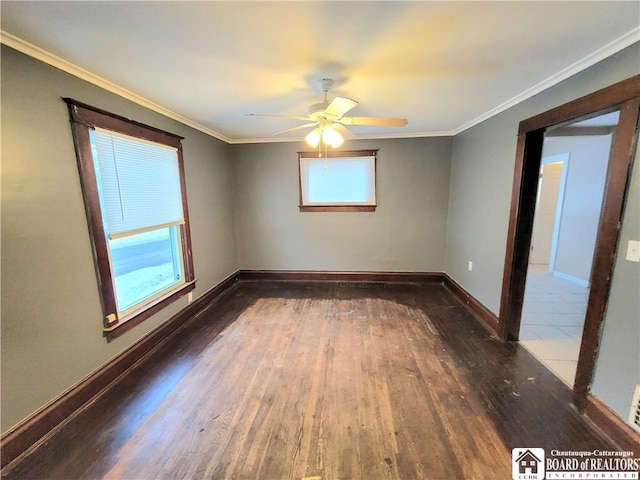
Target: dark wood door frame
x: 623, y: 96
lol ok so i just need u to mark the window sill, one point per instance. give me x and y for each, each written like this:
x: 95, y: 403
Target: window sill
x: 337, y: 208
x: 135, y: 318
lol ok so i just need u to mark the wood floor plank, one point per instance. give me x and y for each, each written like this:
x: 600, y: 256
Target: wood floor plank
x: 319, y: 381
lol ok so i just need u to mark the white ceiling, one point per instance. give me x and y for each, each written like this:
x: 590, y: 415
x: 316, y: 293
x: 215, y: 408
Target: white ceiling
x: 443, y: 65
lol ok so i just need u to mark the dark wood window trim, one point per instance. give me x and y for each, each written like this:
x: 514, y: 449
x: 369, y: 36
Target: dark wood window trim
x: 84, y: 118
x: 625, y: 97
x: 332, y: 207
x: 337, y: 208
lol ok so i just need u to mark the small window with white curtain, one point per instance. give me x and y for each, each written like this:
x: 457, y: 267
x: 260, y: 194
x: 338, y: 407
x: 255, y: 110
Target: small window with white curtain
x: 133, y: 183
x: 340, y: 181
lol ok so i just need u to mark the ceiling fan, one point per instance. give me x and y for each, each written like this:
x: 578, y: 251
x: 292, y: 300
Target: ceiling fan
x: 329, y: 120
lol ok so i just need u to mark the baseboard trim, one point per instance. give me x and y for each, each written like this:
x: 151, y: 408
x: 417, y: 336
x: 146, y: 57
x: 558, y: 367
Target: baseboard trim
x: 328, y: 276
x: 38, y: 426
x: 614, y: 427
x: 570, y: 278
x: 487, y: 318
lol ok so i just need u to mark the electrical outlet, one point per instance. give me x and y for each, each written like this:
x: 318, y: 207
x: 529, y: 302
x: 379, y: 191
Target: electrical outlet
x: 633, y: 251
x: 190, y: 297
x: 470, y: 267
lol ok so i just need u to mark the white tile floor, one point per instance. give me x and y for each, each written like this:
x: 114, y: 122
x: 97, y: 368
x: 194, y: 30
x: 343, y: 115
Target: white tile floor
x: 552, y: 320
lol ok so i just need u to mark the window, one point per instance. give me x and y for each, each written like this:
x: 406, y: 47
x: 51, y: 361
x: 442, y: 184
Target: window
x: 339, y: 182
x: 133, y: 184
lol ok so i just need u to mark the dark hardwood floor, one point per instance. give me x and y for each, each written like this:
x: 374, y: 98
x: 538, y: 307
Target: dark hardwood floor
x: 320, y: 381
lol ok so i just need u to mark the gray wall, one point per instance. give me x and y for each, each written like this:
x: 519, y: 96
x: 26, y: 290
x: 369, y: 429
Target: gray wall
x: 405, y: 233
x: 442, y: 202
x: 482, y: 177
x: 481, y: 181
x: 588, y: 161
x: 51, y: 316
x: 618, y: 365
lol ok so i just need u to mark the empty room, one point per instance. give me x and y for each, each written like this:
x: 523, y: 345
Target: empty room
x: 320, y: 240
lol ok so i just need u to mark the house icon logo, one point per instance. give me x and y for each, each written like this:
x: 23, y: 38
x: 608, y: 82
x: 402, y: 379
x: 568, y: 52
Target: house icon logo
x: 527, y: 463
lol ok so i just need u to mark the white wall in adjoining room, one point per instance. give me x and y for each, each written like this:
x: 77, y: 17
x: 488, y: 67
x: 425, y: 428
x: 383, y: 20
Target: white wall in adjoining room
x: 582, y: 203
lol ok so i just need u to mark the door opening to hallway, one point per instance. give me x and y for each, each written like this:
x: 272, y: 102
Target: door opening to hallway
x: 567, y: 214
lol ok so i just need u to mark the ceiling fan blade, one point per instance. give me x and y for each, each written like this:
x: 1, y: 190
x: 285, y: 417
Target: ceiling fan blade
x: 374, y: 121
x: 339, y: 106
x: 300, y: 127
x: 297, y: 117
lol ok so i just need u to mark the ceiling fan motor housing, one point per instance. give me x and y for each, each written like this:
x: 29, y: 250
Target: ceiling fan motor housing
x: 317, y: 110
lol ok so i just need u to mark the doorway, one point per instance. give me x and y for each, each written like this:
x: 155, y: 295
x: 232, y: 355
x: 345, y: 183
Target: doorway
x: 546, y: 221
x: 567, y: 212
x: 623, y: 97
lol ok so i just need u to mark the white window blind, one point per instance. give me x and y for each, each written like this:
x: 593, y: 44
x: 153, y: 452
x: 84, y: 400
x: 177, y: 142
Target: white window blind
x: 139, y: 183
x: 344, y: 180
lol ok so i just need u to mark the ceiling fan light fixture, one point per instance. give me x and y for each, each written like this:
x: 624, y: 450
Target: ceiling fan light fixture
x: 329, y: 121
x: 331, y: 137
x: 313, y: 137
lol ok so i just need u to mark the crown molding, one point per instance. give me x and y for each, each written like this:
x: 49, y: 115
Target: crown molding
x: 357, y: 137
x: 49, y: 58
x: 436, y: 133
x: 609, y: 49
x: 38, y: 53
